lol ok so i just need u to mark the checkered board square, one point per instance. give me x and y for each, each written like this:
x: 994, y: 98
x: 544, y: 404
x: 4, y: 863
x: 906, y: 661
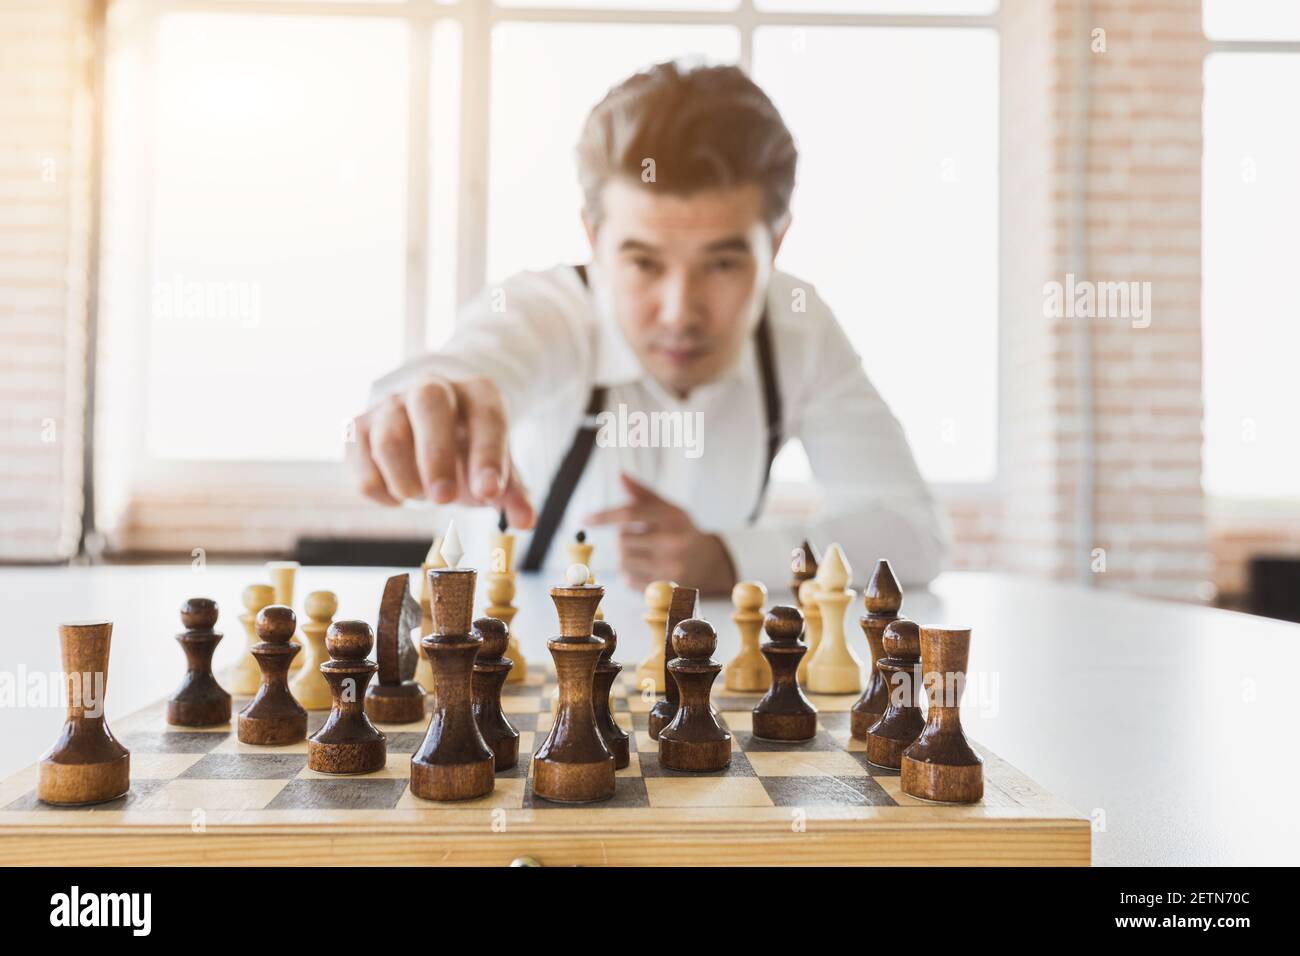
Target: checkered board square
x: 816, y: 801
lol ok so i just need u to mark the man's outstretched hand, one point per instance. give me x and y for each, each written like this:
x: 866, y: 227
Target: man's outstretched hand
x: 658, y: 541
x: 443, y: 440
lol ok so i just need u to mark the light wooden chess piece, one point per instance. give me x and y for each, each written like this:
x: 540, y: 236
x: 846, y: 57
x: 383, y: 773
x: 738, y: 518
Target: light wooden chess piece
x: 310, y: 687
x: 812, y: 617
x: 658, y: 595
x: 501, y: 596
x: 748, y: 671
x: 834, y: 669
x: 580, y: 550
x: 86, y: 764
x: 283, y: 575
x: 423, y: 669
x: 247, y: 676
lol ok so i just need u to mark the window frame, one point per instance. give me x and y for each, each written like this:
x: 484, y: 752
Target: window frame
x: 150, y: 479
x: 1235, y: 509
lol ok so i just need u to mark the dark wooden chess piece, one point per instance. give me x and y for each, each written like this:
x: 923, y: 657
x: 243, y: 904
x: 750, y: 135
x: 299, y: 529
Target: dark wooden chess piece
x: 348, y: 742
x: 803, y: 567
x: 273, y: 716
x: 784, y: 713
x: 396, y: 698
x: 681, y: 608
x: 883, y: 598
x: 607, y: 670
x: 573, y: 764
x: 86, y: 764
x: 201, y: 701
x: 491, y: 669
x: 454, y: 762
x: 940, y: 764
x: 902, y: 721
x: 694, y: 741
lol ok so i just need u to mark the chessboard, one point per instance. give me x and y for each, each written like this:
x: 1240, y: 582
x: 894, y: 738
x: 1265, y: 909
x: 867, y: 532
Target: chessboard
x: 203, y: 797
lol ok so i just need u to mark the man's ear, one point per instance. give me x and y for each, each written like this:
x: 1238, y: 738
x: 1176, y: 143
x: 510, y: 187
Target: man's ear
x: 778, y: 233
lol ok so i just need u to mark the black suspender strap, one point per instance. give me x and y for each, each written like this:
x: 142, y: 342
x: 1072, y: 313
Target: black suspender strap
x: 575, y: 459
x: 566, y: 479
x: 771, y: 404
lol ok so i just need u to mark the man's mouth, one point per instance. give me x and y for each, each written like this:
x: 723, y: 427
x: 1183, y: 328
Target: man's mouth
x: 681, y: 354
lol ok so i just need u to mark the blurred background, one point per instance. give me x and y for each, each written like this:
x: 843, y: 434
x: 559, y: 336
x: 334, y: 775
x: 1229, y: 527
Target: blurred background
x: 221, y: 220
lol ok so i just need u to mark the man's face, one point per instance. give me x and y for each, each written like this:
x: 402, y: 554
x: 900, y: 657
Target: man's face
x: 685, y: 272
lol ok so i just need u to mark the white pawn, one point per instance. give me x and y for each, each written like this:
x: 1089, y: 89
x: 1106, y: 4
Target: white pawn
x: 834, y: 668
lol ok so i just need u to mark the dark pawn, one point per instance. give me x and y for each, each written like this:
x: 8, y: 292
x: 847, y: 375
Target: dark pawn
x: 273, y: 716
x: 784, y: 713
x: 681, y: 608
x: 883, y: 598
x: 348, y: 742
x: 201, y: 701
x: 607, y: 671
x: 694, y: 741
x: 902, y: 721
x: 490, y: 672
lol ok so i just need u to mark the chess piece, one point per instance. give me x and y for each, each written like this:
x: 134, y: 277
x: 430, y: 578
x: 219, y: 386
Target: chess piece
x: 681, y: 606
x: 803, y: 567
x: 607, y: 670
x: 396, y: 698
x: 883, y: 598
x: 501, y: 595
x: 694, y: 741
x: 573, y: 764
x: 812, y: 625
x: 201, y: 701
x: 834, y: 668
x: 310, y: 688
x: 423, y: 670
x: 580, y: 550
x: 454, y: 762
x: 940, y: 764
x: 247, y: 676
x: 86, y: 764
x: 650, y: 671
x: 283, y: 575
x: 784, y: 713
x: 273, y: 716
x: 490, y: 670
x: 748, y: 671
x: 902, y: 721
x: 348, y: 742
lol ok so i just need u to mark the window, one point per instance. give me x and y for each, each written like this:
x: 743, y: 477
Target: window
x: 298, y: 193
x: 1251, y: 202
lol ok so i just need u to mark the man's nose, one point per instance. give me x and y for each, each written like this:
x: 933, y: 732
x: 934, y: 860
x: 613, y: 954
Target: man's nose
x: 678, y: 302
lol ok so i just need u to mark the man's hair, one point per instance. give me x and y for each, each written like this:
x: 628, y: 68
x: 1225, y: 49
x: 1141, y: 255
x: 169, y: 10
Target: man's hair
x: 704, y: 127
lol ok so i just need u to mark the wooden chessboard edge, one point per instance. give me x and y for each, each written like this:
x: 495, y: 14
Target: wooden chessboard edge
x: 1062, y: 845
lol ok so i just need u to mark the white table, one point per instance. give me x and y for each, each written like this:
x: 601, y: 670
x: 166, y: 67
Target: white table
x: 1171, y: 725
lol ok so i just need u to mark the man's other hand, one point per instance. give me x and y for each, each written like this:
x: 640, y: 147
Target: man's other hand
x: 444, y: 440
x: 658, y: 541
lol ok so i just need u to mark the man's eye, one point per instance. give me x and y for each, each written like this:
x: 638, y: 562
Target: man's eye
x: 724, y: 265
x: 646, y: 265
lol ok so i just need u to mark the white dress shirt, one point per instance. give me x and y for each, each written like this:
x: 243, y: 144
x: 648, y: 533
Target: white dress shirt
x: 545, y: 340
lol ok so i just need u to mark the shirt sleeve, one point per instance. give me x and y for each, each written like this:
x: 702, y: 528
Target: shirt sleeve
x: 873, y: 500
x: 522, y: 334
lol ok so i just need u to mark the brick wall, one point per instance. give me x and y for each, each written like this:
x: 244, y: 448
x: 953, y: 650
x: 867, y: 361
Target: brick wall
x: 45, y: 129
x: 1138, y: 177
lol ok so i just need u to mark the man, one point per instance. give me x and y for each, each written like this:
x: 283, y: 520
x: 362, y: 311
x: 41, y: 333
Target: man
x: 646, y: 394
